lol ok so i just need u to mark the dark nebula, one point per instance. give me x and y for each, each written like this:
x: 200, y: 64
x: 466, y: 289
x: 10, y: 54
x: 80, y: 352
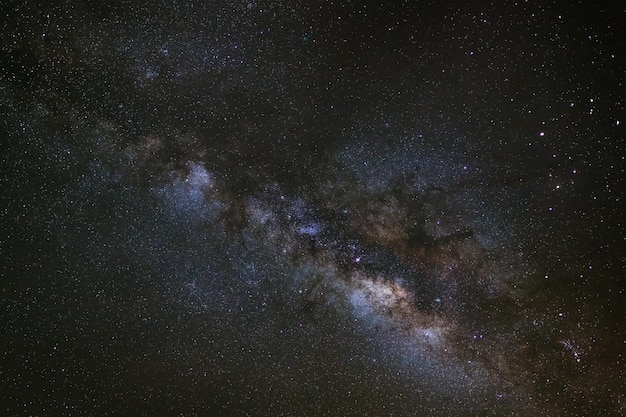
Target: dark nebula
x: 273, y: 208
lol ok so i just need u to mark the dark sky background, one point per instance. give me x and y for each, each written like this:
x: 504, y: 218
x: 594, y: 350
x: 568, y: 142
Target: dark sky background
x: 312, y: 208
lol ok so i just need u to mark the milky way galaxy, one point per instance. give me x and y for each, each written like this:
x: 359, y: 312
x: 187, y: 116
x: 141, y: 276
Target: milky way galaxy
x: 313, y: 209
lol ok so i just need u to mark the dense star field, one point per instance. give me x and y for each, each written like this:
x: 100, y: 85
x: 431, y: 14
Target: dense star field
x: 313, y: 208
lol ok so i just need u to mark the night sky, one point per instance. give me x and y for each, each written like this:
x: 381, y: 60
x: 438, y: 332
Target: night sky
x: 312, y: 208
